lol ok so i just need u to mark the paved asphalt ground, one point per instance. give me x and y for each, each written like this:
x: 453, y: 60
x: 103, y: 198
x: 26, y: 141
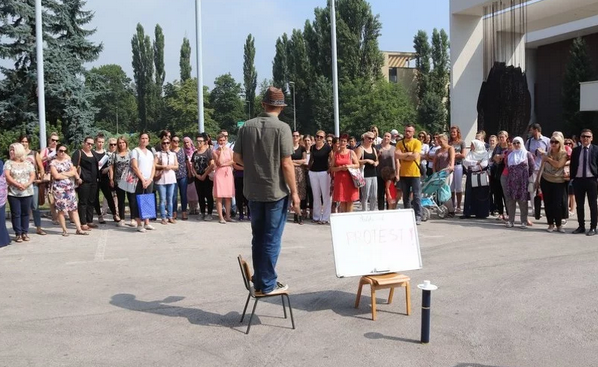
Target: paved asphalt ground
x: 173, y: 297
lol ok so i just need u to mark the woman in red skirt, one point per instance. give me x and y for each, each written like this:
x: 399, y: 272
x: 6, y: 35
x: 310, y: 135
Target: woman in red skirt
x: 345, y: 191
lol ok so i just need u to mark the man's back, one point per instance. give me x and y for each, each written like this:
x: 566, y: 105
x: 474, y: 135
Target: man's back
x: 263, y: 142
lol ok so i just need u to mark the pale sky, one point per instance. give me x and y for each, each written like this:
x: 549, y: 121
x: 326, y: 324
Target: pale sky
x: 226, y: 24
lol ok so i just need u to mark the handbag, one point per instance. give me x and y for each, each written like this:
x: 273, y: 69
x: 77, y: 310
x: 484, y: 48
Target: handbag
x: 147, y: 205
x: 158, y: 173
x: 357, y: 177
x: 480, y: 179
x: 128, y: 180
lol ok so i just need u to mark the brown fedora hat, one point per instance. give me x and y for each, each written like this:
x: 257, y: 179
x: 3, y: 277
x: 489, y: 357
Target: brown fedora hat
x: 274, y: 97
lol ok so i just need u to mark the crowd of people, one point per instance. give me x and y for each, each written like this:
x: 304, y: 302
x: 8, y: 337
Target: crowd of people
x: 490, y: 177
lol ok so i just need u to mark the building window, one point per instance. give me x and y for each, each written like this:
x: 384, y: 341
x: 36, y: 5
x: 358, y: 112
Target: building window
x: 392, y: 75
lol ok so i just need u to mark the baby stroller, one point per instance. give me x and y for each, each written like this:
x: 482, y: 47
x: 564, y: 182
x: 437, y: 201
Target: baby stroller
x: 435, y: 192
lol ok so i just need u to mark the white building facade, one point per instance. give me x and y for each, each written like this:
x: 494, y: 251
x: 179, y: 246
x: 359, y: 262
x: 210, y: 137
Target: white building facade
x: 548, y: 22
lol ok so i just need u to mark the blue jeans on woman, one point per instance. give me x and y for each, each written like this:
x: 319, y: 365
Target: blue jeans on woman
x: 267, y: 224
x: 37, y: 215
x: 181, y: 187
x: 19, y: 213
x: 166, y: 193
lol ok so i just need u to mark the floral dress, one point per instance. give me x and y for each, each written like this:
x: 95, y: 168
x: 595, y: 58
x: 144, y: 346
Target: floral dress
x: 65, y: 198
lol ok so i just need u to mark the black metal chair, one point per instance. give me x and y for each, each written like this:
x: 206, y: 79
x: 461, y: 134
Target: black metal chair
x: 246, y: 272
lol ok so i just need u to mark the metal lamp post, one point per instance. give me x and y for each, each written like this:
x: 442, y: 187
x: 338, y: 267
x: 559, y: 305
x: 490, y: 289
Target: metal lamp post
x: 41, y: 94
x: 292, y: 84
x: 199, y: 55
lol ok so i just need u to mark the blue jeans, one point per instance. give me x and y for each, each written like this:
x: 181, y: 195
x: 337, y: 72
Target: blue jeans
x: 409, y: 185
x: 19, y: 213
x: 267, y: 224
x: 37, y: 215
x: 181, y: 187
x: 166, y: 193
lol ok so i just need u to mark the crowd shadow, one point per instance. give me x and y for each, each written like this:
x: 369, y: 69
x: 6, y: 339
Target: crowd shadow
x: 163, y: 307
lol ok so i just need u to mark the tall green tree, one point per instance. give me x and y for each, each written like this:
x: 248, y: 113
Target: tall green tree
x: 422, y: 62
x: 439, y: 79
x: 67, y: 48
x: 579, y: 69
x: 159, y: 57
x: 180, y: 99
x: 279, y: 65
x: 143, y: 72
x: 185, y: 60
x: 226, y: 101
x: 115, y: 100
x: 249, y: 73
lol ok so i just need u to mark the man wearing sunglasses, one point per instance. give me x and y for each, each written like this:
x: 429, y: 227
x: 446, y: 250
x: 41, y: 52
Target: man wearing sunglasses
x: 264, y: 147
x: 584, y: 171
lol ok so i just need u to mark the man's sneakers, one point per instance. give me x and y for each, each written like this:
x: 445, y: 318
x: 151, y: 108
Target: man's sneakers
x: 278, y: 289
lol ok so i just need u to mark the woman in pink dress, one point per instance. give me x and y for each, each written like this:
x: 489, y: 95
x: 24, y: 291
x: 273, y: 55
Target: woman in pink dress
x: 224, y: 183
x: 345, y: 191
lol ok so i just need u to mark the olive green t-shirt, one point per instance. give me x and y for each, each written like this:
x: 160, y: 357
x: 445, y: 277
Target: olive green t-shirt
x: 262, y: 143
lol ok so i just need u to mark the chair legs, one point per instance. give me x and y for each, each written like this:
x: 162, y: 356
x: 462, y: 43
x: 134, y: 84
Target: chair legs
x: 282, y: 297
x: 364, y: 281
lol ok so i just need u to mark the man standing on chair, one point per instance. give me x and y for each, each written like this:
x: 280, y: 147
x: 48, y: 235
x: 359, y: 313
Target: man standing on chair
x: 264, y: 146
x: 584, y: 172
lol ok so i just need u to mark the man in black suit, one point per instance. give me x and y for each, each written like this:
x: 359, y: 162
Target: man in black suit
x: 584, y: 172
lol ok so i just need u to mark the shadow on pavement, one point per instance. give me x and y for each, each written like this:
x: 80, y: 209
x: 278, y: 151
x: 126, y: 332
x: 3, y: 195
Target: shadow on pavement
x: 474, y: 365
x: 161, y: 307
x: 373, y: 335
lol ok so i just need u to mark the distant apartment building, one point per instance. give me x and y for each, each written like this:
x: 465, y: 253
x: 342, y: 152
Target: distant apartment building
x: 399, y: 67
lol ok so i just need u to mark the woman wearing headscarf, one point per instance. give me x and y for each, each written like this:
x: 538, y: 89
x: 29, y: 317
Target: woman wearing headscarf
x: 477, y: 197
x: 520, y: 165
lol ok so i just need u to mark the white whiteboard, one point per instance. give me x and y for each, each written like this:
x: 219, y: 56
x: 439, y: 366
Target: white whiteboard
x: 375, y: 242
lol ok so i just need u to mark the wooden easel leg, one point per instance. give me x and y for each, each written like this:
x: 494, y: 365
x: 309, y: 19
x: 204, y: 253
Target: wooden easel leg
x: 291, y: 311
x: 373, y: 302
x: 358, y: 294
x: 391, y: 294
x: 408, y: 298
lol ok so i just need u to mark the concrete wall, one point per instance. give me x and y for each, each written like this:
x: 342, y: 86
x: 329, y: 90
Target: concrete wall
x: 467, y: 60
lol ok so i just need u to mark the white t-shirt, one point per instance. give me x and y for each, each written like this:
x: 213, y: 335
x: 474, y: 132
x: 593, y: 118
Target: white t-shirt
x: 432, y: 153
x: 166, y: 159
x: 425, y: 150
x: 145, y: 161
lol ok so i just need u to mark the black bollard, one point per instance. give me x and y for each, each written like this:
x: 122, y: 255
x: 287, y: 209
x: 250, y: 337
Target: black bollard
x: 427, y: 289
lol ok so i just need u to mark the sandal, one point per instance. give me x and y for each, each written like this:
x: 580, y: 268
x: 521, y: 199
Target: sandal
x: 18, y: 239
x: 116, y: 218
x: 65, y: 234
x: 172, y: 220
x: 25, y: 237
x: 82, y: 233
x: 222, y: 221
x: 230, y: 220
x: 41, y: 232
x: 85, y: 228
x: 163, y: 221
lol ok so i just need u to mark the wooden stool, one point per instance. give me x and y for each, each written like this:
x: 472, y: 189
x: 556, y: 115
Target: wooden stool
x: 384, y: 281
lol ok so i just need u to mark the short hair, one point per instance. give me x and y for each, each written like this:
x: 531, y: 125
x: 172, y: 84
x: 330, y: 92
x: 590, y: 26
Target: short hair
x: 586, y: 131
x: 100, y: 136
x: 409, y: 125
x: 19, y: 151
x: 221, y: 135
x: 493, y: 136
x: 307, y: 136
x: 223, y: 131
x: 482, y: 133
x: 536, y: 126
x: 163, y: 133
x: 502, y: 132
x: 387, y: 173
x: 321, y: 131
x: 344, y: 136
x: 443, y: 136
x: 144, y: 133
x: 352, y: 138
x: 62, y: 146
x: 330, y: 135
x: 87, y: 138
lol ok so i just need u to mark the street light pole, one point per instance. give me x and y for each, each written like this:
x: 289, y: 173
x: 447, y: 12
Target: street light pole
x: 116, y: 120
x: 334, y: 67
x: 41, y: 94
x: 292, y: 84
x: 199, y: 55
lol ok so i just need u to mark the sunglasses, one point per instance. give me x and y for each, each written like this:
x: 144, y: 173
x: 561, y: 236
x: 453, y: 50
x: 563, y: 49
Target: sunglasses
x: 112, y: 144
x: 54, y: 140
x: 587, y: 136
x: 175, y: 141
x: 88, y: 143
x: 319, y: 137
x: 200, y: 142
x: 368, y: 138
x: 62, y: 151
x: 554, y: 142
x: 165, y: 142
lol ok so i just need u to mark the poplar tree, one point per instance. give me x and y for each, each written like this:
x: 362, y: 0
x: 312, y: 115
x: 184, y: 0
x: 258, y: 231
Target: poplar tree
x: 143, y: 73
x: 185, y: 60
x: 249, y: 73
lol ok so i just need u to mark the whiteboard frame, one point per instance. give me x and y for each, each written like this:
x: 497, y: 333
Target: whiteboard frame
x: 375, y: 271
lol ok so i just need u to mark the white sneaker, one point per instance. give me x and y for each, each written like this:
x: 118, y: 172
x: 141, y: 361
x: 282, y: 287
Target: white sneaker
x: 122, y: 223
x: 523, y: 225
x: 141, y: 229
x: 509, y: 225
x: 209, y: 218
x: 133, y: 223
x: 279, y: 288
x: 149, y: 227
